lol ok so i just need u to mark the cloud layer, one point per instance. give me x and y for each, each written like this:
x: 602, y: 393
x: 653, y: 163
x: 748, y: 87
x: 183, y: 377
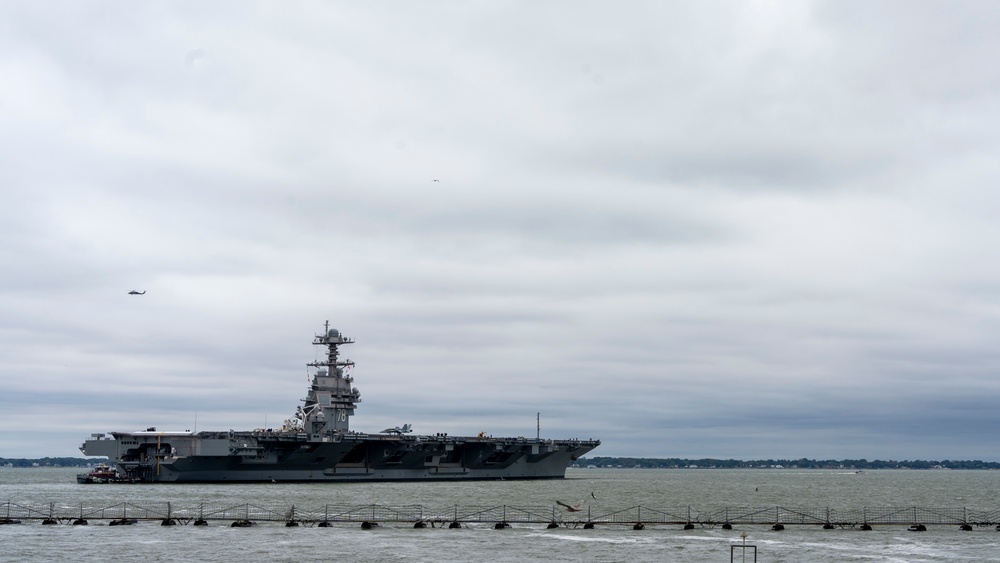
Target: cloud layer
x: 727, y: 229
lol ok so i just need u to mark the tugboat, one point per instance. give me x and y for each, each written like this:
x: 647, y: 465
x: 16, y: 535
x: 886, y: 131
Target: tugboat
x: 100, y: 473
x: 318, y: 445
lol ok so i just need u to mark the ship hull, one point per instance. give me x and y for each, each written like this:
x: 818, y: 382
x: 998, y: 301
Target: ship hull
x: 255, y: 457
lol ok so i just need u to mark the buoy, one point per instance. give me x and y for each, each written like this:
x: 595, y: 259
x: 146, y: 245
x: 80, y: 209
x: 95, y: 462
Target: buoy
x: 639, y: 526
x: 689, y: 526
x: 79, y: 522
x: 291, y: 524
x: 200, y: 522
x: 501, y: 525
x: 168, y: 522
x: 454, y: 525
x: 588, y: 526
x: 828, y: 526
x: 420, y: 524
x: 866, y: 527
x: 366, y: 525
x: 917, y: 528
x: 242, y: 524
x: 552, y: 525
x: 727, y: 526
x: 324, y: 524
x: 778, y: 527
x: 49, y: 521
x: 965, y: 527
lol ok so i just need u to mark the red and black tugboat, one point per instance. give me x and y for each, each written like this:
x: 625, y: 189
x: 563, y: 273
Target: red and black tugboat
x: 100, y: 473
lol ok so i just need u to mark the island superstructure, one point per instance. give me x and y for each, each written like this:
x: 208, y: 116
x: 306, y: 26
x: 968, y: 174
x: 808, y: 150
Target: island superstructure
x: 316, y: 444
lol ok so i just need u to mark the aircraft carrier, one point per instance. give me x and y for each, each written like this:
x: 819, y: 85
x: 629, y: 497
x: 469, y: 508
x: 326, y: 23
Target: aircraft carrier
x: 318, y: 445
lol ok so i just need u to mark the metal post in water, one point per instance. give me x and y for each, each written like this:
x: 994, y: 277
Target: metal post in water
x: 743, y: 547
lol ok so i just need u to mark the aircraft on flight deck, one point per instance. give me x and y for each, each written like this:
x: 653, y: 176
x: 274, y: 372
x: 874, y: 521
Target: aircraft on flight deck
x: 406, y: 429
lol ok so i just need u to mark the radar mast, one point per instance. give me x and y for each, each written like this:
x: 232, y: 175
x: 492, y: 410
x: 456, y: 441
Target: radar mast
x: 331, y: 399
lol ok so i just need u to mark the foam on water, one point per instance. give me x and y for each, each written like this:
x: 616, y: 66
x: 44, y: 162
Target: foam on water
x: 582, y: 538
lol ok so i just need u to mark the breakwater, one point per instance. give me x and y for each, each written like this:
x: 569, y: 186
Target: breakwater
x: 419, y: 515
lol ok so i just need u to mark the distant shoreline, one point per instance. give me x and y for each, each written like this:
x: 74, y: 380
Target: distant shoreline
x: 50, y: 462
x: 708, y: 463
x: 604, y: 462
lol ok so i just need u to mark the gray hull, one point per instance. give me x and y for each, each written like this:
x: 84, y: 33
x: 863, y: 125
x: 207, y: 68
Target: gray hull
x: 167, y: 457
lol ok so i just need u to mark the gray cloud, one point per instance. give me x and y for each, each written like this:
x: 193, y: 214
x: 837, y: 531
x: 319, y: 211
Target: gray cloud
x: 720, y: 230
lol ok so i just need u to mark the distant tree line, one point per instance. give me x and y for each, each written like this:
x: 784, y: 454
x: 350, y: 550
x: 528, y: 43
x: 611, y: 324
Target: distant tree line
x: 49, y: 462
x: 803, y: 463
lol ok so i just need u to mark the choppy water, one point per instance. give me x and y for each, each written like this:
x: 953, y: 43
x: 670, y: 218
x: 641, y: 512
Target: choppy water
x: 614, y: 488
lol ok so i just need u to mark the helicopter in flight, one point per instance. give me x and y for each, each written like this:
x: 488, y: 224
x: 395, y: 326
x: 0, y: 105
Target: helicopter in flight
x: 134, y: 292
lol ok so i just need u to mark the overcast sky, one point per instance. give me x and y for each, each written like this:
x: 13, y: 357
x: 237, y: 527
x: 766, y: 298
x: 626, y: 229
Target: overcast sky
x: 689, y: 229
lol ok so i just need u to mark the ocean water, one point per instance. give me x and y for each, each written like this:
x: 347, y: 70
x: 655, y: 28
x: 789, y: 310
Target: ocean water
x: 699, y: 489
